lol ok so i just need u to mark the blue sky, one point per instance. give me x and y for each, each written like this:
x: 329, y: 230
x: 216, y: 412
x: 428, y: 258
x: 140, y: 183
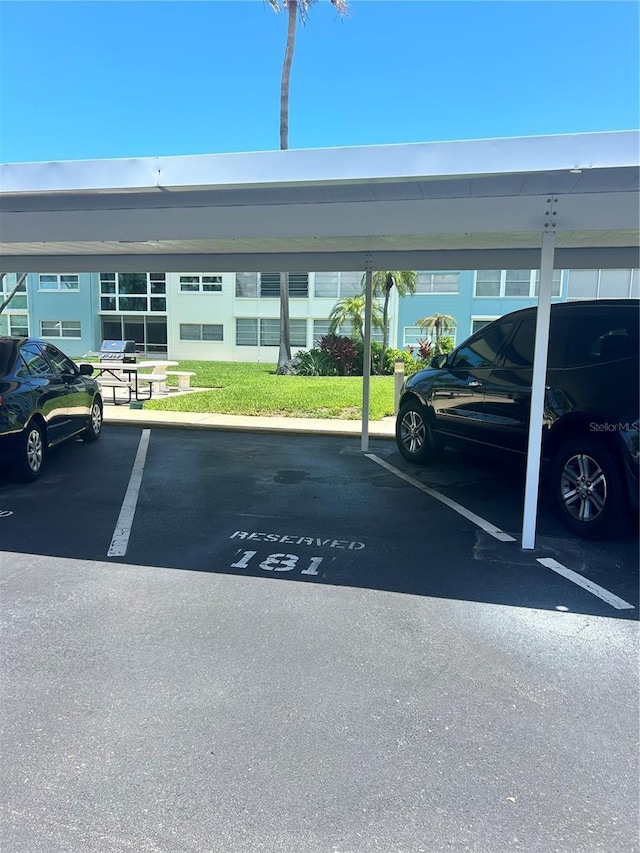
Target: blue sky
x: 83, y: 80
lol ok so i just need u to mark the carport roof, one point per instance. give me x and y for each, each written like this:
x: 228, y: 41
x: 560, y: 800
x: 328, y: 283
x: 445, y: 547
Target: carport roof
x: 434, y: 205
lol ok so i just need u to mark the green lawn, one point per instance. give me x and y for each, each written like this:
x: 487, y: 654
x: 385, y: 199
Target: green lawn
x: 240, y: 388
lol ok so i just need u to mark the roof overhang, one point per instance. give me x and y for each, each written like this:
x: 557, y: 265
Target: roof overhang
x: 438, y: 205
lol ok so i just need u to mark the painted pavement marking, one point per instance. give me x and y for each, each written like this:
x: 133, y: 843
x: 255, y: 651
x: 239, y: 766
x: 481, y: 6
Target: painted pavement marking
x: 585, y: 583
x: 489, y: 528
x: 120, y: 540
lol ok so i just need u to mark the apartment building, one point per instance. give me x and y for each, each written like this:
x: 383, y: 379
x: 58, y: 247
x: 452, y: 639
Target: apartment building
x: 235, y: 316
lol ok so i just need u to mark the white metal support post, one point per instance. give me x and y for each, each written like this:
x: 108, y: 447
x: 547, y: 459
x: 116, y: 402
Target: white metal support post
x: 538, y: 389
x: 366, y: 356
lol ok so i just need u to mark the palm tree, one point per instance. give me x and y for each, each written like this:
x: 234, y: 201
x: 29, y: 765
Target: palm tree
x: 404, y: 282
x: 438, y: 324
x: 350, y: 309
x: 295, y: 9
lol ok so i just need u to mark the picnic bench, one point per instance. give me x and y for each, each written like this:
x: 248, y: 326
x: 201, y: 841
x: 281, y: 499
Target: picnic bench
x: 115, y: 382
x: 184, y: 378
x: 153, y: 379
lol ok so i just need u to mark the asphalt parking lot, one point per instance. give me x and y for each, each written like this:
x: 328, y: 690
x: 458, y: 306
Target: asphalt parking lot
x: 418, y: 682
x: 206, y: 497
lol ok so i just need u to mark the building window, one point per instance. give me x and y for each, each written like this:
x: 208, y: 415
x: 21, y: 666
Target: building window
x: 246, y: 332
x: 61, y: 283
x: 346, y: 330
x: 60, y: 329
x: 320, y: 329
x: 267, y: 285
x: 19, y: 325
x: 19, y: 299
x: 582, y: 284
x: 602, y: 284
x: 201, y: 332
x: 518, y: 283
x: 253, y: 332
x: 478, y: 323
x: 412, y: 334
x: 136, y: 293
x: 432, y: 282
x: 269, y: 333
x: 247, y: 285
x: 331, y: 285
x: 488, y: 283
x: 200, y: 284
x: 614, y: 284
x: 556, y: 282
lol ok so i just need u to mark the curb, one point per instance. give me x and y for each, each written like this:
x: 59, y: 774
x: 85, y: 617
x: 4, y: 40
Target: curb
x: 300, y: 426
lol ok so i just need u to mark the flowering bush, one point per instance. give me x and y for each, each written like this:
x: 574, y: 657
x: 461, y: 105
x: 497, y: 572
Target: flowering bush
x: 344, y: 352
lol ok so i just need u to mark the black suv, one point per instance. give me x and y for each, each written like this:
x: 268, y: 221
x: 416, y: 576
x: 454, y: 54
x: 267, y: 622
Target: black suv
x: 44, y: 399
x: 478, y: 397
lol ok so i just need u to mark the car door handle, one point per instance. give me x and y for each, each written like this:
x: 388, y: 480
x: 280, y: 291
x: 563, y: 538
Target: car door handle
x: 473, y: 383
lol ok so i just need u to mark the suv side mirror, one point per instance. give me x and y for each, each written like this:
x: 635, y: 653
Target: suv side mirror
x: 85, y: 369
x: 439, y: 361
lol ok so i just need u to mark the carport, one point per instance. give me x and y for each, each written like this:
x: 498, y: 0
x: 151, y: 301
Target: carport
x: 535, y: 202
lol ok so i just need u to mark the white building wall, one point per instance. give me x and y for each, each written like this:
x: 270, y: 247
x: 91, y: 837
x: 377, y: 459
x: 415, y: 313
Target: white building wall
x: 200, y: 308
x: 224, y: 308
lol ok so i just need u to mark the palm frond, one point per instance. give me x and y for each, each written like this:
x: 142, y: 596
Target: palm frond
x: 341, y: 6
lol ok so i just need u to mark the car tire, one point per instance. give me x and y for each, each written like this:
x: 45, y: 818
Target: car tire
x: 414, y: 435
x: 94, y: 427
x: 29, y: 464
x: 588, y: 487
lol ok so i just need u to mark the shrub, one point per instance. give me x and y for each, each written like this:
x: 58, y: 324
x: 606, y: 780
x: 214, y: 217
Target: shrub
x: 425, y: 349
x: 343, y: 351
x: 392, y: 355
x: 315, y: 362
x: 446, y: 344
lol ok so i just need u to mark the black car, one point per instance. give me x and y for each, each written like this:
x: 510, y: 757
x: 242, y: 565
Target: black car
x: 45, y: 399
x: 478, y: 397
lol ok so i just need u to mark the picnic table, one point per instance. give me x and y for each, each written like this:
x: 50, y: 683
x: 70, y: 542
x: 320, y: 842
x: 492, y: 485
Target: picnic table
x: 117, y: 375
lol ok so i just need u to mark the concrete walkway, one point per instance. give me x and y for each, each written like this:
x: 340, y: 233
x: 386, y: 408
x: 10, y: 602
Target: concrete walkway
x: 195, y: 420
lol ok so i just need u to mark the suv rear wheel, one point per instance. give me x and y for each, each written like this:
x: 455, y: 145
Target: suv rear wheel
x: 587, y: 485
x: 414, y: 436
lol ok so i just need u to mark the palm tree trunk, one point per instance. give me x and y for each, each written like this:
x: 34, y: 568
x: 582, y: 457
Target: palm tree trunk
x: 286, y: 74
x: 284, y: 354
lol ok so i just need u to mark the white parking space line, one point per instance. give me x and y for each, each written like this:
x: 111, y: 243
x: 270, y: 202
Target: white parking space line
x: 120, y: 540
x: 489, y: 528
x: 585, y: 583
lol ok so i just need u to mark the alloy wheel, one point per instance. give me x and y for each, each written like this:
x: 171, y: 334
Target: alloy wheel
x: 583, y: 487
x: 412, y: 431
x: 96, y: 418
x: 35, y: 450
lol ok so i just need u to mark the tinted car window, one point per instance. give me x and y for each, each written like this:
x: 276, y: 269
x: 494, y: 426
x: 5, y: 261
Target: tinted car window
x: 59, y: 360
x: 482, y: 351
x: 519, y: 353
x: 7, y: 354
x: 35, y: 362
x: 600, y: 337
